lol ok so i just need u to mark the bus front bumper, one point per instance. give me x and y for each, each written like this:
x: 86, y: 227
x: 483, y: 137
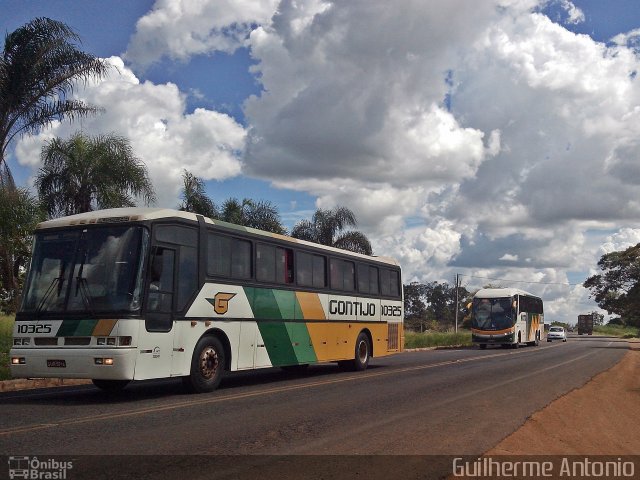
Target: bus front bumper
x: 94, y: 363
x: 492, y: 339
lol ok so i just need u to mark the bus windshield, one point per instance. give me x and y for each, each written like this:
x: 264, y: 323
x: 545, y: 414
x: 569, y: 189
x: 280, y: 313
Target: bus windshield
x: 86, y: 270
x: 492, y: 313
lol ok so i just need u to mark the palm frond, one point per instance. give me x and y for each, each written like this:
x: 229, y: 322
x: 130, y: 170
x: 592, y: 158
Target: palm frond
x: 354, y: 241
x: 39, y: 68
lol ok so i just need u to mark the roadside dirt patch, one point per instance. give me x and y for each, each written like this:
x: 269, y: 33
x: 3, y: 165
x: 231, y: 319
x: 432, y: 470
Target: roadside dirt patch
x: 31, y: 383
x: 600, y: 418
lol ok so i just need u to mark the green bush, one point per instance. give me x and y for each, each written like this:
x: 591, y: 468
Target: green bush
x: 616, y: 331
x: 436, y: 339
x: 6, y: 331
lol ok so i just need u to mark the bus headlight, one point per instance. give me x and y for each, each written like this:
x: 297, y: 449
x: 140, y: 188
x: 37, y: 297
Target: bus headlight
x: 103, y: 361
x: 18, y: 361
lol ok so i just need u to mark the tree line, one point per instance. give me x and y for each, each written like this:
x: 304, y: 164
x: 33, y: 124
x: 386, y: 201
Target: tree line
x: 617, y: 288
x: 432, y: 306
x: 40, y: 65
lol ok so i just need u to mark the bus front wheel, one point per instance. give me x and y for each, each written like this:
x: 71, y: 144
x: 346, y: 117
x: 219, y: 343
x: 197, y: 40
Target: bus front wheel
x: 517, y: 344
x: 207, y: 366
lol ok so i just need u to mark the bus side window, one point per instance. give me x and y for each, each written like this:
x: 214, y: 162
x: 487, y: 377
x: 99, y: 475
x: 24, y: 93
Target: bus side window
x: 310, y: 270
x: 389, y: 283
x: 363, y: 278
x: 343, y: 274
x: 373, y: 280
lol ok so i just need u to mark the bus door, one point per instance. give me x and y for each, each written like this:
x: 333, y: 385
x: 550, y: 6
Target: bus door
x: 522, y: 320
x: 172, y: 283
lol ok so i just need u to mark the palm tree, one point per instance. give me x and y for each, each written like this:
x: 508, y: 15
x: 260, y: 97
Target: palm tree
x: 262, y: 215
x: 326, y: 228
x: 84, y: 174
x: 39, y: 67
x: 19, y: 214
x: 194, y: 199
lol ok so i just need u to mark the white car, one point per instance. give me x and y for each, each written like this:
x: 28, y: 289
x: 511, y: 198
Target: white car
x: 557, y: 333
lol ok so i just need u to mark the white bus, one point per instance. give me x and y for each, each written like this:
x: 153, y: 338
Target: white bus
x: 133, y: 294
x: 507, y: 317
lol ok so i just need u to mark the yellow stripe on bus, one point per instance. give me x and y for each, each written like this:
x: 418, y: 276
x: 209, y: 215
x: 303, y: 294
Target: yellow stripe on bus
x: 311, y: 306
x: 103, y: 328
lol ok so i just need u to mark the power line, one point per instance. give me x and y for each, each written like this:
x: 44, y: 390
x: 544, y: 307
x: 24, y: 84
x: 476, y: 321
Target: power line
x: 521, y: 281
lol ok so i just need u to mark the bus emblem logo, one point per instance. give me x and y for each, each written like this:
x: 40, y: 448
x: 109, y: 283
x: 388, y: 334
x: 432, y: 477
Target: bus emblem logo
x: 221, y: 302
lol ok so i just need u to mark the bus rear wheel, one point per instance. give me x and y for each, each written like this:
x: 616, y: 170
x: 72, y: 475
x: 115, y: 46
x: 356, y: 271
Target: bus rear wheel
x: 363, y: 352
x: 111, y: 385
x: 207, y: 366
x: 361, y: 355
x: 535, y: 342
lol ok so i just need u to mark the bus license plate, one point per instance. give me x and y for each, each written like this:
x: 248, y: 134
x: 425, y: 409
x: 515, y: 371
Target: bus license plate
x: 57, y: 363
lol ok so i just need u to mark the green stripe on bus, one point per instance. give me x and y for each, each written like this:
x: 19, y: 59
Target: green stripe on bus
x: 287, y: 343
x: 263, y: 303
x: 77, y: 328
x: 286, y: 301
x: 301, y: 341
x: 278, y: 343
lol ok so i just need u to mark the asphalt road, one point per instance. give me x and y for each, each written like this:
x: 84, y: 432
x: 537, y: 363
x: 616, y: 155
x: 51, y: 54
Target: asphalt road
x: 403, y: 408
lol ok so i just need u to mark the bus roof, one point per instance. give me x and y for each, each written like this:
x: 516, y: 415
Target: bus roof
x: 137, y: 214
x: 501, y: 293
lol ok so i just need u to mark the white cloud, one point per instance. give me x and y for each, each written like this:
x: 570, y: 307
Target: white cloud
x: 179, y: 29
x: 516, y: 132
x: 162, y: 134
x: 574, y: 14
x: 490, y: 140
x: 621, y: 240
x: 627, y: 38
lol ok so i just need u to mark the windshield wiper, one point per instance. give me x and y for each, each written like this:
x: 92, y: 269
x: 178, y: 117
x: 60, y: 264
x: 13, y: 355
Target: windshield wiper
x: 56, y: 281
x: 82, y: 285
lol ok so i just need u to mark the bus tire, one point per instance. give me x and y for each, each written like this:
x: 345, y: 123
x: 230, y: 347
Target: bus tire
x: 207, y: 366
x: 362, y: 353
x: 110, y: 385
x: 517, y: 344
x: 482, y: 346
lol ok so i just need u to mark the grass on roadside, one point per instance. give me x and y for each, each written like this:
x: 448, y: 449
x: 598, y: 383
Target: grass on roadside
x: 436, y: 339
x: 6, y: 331
x: 616, y: 331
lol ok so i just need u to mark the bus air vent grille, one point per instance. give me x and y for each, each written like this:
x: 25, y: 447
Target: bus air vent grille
x: 393, y: 337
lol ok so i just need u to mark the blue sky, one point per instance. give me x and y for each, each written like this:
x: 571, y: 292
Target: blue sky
x: 498, y: 142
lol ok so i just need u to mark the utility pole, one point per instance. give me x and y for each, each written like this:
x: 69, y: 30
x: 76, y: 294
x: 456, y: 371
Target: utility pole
x: 457, y: 299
